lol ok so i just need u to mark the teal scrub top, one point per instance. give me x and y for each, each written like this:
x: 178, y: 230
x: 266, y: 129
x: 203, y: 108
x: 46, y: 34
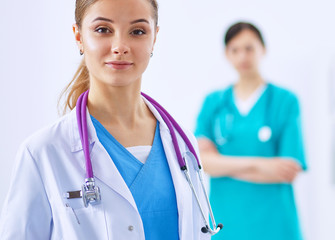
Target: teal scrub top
x: 150, y: 184
x: 272, y: 128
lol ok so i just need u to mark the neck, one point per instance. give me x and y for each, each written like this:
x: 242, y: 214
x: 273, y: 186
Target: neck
x: 117, y: 105
x: 247, y: 84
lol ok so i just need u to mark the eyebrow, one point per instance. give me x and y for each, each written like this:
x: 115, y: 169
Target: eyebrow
x: 103, y: 19
x: 140, y: 20
x: 111, y: 21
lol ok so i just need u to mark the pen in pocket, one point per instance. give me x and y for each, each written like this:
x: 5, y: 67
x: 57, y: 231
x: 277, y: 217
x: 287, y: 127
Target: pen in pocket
x: 67, y: 205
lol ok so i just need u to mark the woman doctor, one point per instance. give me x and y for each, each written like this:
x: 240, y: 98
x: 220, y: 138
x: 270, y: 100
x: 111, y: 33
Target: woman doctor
x: 144, y: 194
x: 251, y: 145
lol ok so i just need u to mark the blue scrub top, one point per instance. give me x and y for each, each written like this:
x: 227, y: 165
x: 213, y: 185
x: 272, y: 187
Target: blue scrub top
x: 150, y: 184
x: 253, y: 211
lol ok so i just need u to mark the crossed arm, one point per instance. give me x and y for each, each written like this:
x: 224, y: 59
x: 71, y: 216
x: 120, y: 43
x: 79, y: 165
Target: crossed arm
x: 252, y: 169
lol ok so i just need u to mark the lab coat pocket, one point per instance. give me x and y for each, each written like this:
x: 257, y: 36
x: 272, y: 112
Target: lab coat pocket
x: 82, y: 223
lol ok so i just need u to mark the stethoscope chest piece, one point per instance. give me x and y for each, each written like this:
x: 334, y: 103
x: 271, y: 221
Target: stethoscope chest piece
x: 264, y: 134
x: 90, y: 193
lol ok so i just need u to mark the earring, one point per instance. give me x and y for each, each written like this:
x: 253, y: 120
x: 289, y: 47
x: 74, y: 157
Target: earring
x: 81, y: 52
x: 151, y: 54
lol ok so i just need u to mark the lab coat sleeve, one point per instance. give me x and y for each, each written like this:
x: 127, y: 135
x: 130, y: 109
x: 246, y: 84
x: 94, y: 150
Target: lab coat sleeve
x: 291, y: 138
x: 26, y: 214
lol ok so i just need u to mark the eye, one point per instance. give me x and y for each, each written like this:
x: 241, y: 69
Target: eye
x: 138, y: 32
x: 102, y: 30
x: 233, y: 50
x: 249, y: 48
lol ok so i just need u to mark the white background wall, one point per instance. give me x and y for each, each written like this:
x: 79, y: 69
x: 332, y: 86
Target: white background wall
x: 38, y: 57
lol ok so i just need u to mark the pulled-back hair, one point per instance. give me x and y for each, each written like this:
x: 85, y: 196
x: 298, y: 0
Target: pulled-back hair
x: 239, y: 27
x: 80, y: 81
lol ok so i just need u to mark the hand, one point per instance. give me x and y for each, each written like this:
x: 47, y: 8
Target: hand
x: 279, y: 169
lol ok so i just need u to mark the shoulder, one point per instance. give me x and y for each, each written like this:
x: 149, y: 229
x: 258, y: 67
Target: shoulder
x: 216, y: 99
x: 53, y: 136
x: 219, y: 94
x: 283, y: 101
x: 282, y: 94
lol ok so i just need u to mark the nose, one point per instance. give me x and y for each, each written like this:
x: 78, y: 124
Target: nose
x: 120, y: 47
x: 242, y: 55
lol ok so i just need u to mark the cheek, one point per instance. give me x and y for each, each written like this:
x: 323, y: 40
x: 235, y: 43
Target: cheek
x: 257, y: 57
x: 142, y: 49
x: 231, y: 58
x: 236, y: 60
x: 96, y: 45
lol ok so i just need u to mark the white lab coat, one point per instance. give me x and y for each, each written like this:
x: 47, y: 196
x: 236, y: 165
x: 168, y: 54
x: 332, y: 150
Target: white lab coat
x: 51, y: 162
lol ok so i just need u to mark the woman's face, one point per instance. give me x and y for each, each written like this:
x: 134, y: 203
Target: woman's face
x: 245, y: 52
x: 117, y: 38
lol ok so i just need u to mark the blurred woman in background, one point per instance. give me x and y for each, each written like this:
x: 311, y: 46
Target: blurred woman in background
x: 251, y: 145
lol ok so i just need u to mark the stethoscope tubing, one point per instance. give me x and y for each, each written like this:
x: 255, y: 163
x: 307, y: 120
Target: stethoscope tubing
x: 82, y: 125
x: 171, y: 124
x: 231, y: 111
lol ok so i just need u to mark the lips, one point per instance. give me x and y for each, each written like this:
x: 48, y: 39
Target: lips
x: 119, y: 65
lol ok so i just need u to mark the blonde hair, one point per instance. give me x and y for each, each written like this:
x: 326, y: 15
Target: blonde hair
x: 80, y: 81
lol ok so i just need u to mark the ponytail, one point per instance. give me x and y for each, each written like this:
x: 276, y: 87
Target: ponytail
x: 79, y: 84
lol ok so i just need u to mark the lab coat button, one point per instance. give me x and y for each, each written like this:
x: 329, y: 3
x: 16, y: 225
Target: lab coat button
x: 131, y: 228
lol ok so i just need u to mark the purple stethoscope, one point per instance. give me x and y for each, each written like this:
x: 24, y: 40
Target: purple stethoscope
x: 91, y: 193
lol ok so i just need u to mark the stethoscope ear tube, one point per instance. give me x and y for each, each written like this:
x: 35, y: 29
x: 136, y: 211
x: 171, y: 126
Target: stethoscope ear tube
x: 206, y: 228
x: 216, y: 228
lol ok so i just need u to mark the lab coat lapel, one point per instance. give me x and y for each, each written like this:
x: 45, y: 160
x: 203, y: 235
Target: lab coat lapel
x: 183, y: 191
x: 103, y: 166
x: 105, y: 170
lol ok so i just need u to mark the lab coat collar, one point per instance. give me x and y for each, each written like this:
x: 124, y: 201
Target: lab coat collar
x: 75, y: 137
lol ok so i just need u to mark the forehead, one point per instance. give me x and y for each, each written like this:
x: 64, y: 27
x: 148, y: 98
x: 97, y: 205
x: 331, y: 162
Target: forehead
x: 244, y: 37
x: 120, y: 10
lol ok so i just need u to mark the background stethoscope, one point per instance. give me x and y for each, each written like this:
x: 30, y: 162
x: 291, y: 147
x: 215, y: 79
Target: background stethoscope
x: 223, y: 134
x: 91, y: 193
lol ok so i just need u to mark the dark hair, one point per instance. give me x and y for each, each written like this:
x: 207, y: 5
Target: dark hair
x: 239, y: 27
